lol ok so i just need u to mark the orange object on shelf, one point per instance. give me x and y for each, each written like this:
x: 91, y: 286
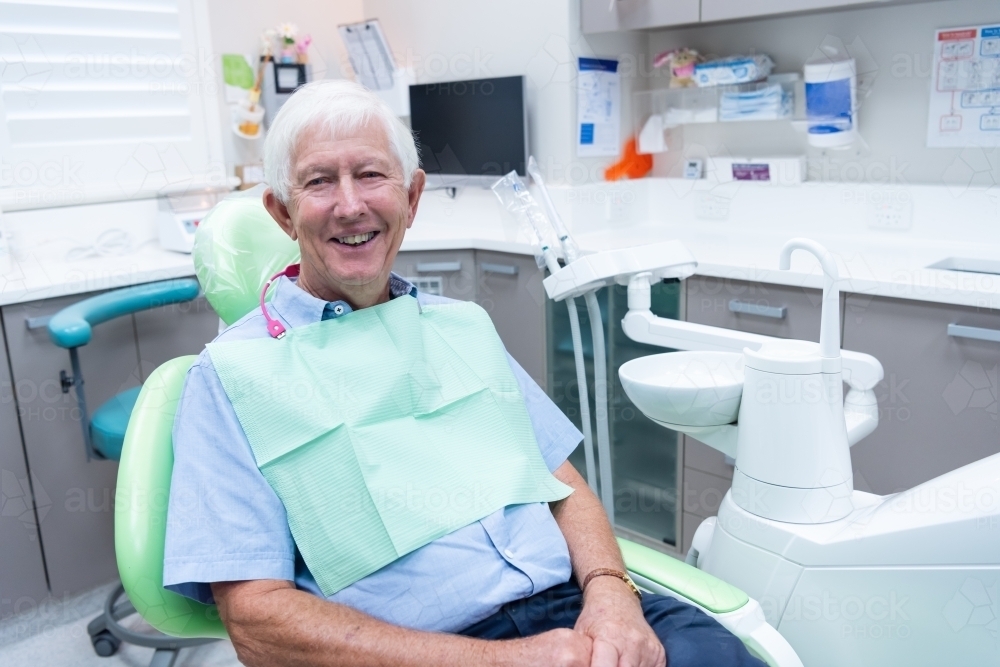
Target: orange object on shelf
x: 632, y: 164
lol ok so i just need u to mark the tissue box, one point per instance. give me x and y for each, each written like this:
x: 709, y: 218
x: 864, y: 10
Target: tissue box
x: 732, y: 70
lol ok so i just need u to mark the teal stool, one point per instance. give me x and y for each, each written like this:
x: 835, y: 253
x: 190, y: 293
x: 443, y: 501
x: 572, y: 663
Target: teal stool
x: 71, y: 328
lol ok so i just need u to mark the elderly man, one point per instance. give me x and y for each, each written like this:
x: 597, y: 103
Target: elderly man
x: 344, y: 182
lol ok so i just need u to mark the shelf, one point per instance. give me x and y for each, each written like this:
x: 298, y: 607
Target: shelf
x: 658, y: 111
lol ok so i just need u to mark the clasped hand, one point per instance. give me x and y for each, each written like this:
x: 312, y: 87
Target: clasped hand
x: 610, y: 632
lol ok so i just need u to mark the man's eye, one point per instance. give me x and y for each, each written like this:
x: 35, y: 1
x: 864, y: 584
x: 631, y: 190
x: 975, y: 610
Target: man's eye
x: 371, y: 174
x: 319, y: 180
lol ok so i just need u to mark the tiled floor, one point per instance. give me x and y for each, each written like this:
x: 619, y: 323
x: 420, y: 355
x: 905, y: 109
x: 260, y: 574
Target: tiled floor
x: 55, y: 635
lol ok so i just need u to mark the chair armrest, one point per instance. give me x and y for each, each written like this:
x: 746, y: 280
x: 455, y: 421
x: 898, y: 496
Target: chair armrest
x: 700, y: 587
x: 71, y: 326
x: 731, y: 607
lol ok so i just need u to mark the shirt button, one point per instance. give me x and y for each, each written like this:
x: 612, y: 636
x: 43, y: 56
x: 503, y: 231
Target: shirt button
x: 338, y: 309
x: 508, y: 553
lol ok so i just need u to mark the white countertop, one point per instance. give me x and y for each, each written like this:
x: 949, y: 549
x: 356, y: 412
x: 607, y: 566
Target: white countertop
x: 743, y: 246
x: 43, y: 238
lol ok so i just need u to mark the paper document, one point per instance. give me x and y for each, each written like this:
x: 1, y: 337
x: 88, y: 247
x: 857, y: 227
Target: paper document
x: 965, y: 88
x: 598, y: 108
x: 369, y: 53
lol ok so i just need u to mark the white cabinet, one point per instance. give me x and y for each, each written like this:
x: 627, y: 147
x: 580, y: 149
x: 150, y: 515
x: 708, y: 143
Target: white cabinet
x: 74, y: 497
x: 613, y: 15
x: 938, y: 402
x: 724, y: 10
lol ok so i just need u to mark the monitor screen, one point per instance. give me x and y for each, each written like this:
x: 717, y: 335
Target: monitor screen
x: 470, y: 128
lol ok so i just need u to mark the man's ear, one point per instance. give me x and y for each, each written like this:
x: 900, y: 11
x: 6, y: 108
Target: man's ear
x: 280, y: 214
x: 416, y: 189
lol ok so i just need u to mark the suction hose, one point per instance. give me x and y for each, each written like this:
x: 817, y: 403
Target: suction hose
x: 581, y: 380
x: 601, y: 405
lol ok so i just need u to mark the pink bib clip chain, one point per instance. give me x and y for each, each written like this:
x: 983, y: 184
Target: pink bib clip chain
x: 274, y: 327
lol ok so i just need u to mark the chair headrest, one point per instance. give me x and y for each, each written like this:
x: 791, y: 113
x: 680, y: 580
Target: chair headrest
x: 237, y: 247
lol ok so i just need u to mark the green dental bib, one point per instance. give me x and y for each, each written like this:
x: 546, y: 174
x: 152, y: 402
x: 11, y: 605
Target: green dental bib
x: 384, y: 430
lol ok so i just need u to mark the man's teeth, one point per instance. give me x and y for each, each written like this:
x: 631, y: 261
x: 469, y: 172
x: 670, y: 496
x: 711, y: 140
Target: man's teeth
x: 356, y: 239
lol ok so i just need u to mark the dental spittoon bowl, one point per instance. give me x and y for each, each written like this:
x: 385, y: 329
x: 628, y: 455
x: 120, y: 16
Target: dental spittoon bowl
x: 686, y: 388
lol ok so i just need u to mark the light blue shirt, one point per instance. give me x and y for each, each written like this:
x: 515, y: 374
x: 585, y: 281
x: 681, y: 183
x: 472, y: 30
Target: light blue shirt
x: 225, y: 523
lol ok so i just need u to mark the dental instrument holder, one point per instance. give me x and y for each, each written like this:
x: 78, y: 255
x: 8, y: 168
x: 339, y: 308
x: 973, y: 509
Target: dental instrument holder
x: 792, y: 437
x: 583, y: 277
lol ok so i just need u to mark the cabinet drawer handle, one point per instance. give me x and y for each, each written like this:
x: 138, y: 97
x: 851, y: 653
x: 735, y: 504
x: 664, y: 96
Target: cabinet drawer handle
x: 503, y: 269
x: 979, y: 333
x: 774, y: 312
x: 37, y: 322
x: 438, y: 267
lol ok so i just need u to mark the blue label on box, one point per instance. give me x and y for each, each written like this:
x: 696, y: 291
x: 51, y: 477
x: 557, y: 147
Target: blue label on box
x: 586, y: 133
x: 990, y: 32
x: 597, y: 64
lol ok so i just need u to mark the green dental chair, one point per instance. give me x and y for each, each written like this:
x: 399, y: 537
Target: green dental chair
x: 237, y: 249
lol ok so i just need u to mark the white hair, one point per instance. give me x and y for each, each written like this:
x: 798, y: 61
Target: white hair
x: 342, y: 107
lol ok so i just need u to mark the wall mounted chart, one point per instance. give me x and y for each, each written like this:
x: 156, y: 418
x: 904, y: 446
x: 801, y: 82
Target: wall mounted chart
x: 965, y: 88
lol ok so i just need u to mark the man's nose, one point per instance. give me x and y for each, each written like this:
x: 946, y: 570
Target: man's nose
x: 350, y: 202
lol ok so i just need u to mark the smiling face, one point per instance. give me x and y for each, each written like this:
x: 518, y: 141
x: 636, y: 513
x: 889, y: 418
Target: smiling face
x: 348, y: 209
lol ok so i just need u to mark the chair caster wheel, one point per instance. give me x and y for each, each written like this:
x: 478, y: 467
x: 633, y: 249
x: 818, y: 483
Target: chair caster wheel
x: 105, y: 644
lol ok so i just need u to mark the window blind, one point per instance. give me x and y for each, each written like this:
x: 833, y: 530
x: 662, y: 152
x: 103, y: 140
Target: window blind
x: 104, y: 100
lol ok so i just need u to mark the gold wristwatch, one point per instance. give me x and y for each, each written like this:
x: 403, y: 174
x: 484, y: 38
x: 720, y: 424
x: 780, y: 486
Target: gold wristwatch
x: 607, y: 572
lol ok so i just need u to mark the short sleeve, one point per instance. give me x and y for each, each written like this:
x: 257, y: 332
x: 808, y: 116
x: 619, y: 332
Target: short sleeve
x: 556, y: 435
x: 224, y: 522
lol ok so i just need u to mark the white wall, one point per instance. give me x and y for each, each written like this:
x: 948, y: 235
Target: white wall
x: 236, y: 27
x: 449, y: 40
x: 893, y: 118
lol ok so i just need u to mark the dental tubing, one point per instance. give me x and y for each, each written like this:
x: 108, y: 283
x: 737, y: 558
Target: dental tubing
x: 571, y: 252
x: 514, y: 195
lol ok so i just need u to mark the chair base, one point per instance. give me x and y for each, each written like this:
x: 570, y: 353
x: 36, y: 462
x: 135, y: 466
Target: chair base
x: 107, y: 634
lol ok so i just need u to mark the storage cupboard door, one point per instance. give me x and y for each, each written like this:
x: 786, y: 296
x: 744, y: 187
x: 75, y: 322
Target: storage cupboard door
x: 22, y: 573
x: 450, y: 273
x: 638, y: 14
x: 605, y: 16
x: 755, y: 307
x: 723, y: 10
x: 509, y: 288
x: 78, y: 530
x: 938, y: 402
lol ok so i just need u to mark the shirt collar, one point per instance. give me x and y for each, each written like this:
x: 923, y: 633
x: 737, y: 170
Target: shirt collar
x: 297, y: 307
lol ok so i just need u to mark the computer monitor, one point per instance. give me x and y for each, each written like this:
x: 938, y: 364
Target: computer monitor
x: 470, y: 131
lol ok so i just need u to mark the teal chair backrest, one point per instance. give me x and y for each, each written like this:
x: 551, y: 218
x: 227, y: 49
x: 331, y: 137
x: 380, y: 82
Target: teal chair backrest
x: 238, y: 246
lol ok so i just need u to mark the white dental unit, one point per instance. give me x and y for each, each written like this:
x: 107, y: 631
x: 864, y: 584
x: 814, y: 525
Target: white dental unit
x: 826, y: 562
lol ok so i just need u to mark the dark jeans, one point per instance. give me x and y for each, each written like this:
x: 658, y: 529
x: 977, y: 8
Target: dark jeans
x: 690, y: 637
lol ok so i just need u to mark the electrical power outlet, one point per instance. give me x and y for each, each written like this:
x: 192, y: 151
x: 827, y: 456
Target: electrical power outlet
x: 890, y: 215
x: 618, y: 206
x: 711, y: 207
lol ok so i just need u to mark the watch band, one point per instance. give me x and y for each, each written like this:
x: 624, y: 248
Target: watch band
x: 607, y: 572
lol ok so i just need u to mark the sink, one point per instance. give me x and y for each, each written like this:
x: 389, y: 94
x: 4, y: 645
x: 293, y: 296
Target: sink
x: 968, y: 264
x: 686, y: 388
